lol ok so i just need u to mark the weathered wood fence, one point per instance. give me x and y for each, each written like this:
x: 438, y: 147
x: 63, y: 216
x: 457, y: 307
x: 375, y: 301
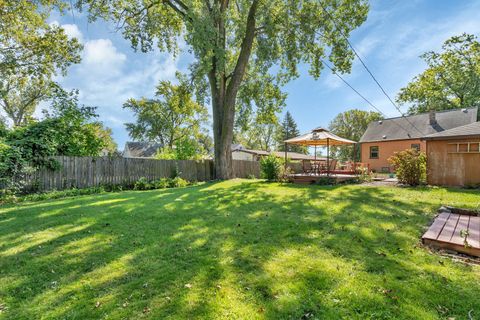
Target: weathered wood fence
x: 84, y: 172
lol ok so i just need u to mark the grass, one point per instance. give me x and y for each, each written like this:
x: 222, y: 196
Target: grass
x: 233, y: 250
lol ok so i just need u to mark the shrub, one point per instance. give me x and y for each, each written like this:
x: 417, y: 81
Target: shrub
x: 178, y: 182
x: 142, y: 184
x: 271, y: 168
x: 410, y: 166
x: 161, y: 183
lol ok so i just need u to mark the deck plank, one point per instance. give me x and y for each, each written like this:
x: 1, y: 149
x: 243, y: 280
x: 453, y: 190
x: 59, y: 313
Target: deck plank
x: 436, y: 228
x: 461, y: 225
x: 449, y: 228
x: 474, y: 232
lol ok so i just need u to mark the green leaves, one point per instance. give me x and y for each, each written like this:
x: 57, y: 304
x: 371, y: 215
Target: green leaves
x: 32, y: 51
x: 174, y: 119
x: 452, y: 79
x: 351, y: 125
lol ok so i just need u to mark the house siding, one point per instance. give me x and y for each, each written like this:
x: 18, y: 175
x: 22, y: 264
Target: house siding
x: 452, y: 169
x: 386, y: 149
x: 241, y: 155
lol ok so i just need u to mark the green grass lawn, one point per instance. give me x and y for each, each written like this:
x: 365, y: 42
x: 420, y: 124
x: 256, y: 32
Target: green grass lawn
x: 234, y: 250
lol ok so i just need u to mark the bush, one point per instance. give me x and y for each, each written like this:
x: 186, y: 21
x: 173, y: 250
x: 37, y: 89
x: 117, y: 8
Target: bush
x: 161, y: 183
x: 142, y: 184
x: 410, y: 166
x: 178, y: 182
x: 271, y: 168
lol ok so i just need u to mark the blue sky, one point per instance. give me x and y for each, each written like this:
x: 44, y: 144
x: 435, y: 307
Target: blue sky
x: 390, y: 42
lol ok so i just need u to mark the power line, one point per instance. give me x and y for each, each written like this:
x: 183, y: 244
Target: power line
x: 358, y: 93
x: 366, y: 68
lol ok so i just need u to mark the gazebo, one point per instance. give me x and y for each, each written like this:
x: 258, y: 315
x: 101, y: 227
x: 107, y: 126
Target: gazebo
x: 319, y: 137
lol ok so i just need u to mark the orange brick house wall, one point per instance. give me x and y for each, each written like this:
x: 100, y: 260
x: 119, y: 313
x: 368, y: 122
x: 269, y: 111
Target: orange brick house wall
x: 385, y: 150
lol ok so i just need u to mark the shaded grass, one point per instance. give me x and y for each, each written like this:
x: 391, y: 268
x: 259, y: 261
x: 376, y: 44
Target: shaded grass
x: 233, y: 250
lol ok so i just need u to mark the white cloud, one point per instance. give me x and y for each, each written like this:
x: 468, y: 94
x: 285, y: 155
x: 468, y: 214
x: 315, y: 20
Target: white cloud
x: 100, y: 56
x: 72, y: 31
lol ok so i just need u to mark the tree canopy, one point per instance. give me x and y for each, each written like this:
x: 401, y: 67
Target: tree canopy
x: 172, y: 116
x: 32, y: 51
x: 239, y: 46
x: 351, y: 124
x: 288, y: 130
x: 451, y: 80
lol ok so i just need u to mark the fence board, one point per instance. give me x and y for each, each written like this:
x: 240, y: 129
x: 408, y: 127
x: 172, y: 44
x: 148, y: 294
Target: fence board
x: 83, y: 172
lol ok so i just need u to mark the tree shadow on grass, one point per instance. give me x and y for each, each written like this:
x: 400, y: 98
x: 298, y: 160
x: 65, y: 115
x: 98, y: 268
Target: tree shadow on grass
x: 237, y: 249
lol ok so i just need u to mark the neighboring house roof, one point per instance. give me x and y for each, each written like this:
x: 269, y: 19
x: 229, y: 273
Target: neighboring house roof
x: 418, y: 126
x: 469, y: 130
x: 141, y: 149
x: 290, y: 155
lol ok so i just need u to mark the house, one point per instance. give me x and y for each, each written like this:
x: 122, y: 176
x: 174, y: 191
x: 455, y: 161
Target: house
x: 240, y: 153
x: 141, y: 149
x: 453, y: 156
x: 385, y: 137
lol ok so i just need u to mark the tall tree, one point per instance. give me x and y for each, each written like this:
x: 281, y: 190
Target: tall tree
x: 170, y: 118
x: 452, y: 79
x: 32, y: 51
x: 288, y: 130
x: 238, y: 42
x: 351, y: 124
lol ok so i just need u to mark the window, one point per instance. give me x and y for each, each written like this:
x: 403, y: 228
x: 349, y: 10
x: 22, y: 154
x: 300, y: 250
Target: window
x: 374, y: 152
x: 415, y: 146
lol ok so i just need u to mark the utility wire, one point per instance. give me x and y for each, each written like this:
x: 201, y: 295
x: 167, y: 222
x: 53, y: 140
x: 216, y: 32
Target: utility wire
x: 366, y: 68
x: 359, y: 94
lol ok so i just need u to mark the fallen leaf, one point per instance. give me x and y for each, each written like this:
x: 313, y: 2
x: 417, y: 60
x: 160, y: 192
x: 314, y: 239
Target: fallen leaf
x: 97, y: 304
x: 146, y: 310
x: 188, y: 285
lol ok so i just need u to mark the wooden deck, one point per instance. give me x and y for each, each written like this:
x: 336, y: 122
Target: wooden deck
x: 446, y: 233
x: 313, y: 178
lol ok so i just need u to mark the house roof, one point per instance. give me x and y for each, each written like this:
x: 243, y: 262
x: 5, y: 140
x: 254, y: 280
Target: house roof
x: 469, y: 130
x: 281, y: 154
x: 141, y: 149
x: 418, y: 126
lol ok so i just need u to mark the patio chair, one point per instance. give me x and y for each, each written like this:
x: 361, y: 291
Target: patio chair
x: 307, y: 167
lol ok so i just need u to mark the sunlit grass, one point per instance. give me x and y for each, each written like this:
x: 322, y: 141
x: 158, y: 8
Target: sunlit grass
x: 233, y: 250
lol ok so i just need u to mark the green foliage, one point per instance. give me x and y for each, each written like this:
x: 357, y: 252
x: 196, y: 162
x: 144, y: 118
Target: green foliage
x: 288, y: 130
x: 12, y: 170
x: 452, y: 79
x: 351, y: 124
x: 178, y: 182
x: 67, y: 130
x: 271, y: 168
x: 162, y: 183
x: 145, y: 184
x: 32, y: 52
x: 185, y: 149
x: 142, y: 184
x: 170, y: 118
x: 244, y: 51
x: 256, y: 131
x: 410, y: 166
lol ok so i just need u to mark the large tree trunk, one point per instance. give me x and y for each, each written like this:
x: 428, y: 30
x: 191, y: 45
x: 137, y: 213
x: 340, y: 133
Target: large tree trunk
x: 224, y: 96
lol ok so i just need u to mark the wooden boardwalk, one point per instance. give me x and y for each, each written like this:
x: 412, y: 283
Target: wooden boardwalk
x: 446, y: 233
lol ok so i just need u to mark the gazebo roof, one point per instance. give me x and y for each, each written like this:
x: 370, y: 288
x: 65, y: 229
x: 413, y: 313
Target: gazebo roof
x: 319, y: 137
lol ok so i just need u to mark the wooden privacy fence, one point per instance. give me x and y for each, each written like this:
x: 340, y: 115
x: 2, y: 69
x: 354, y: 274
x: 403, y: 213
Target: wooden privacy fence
x: 84, y: 172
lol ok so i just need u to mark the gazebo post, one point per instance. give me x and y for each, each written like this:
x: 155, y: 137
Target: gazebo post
x: 285, y: 165
x: 355, y: 158
x: 328, y: 157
